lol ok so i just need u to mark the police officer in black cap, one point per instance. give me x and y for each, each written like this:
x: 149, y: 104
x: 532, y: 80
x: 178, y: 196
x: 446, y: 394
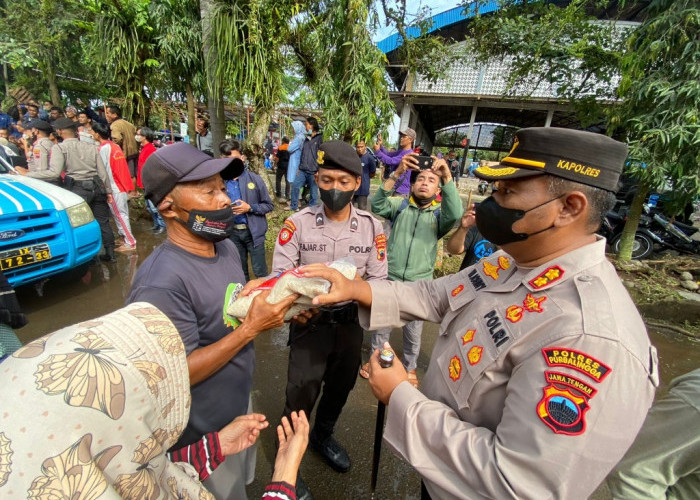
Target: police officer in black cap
x: 40, y: 152
x: 326, y: 350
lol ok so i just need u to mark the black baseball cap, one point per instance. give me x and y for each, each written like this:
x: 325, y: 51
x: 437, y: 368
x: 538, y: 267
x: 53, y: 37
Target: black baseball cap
x: 339, y: 155
x: 592, y: 159
x: 41, y: 125
x: 178, y: 163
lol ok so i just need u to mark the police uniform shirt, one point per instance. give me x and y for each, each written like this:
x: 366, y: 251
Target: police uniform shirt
x: 538, y: 382
x: 81, y: 162
x: 307, y: 237
x: 41, y: 153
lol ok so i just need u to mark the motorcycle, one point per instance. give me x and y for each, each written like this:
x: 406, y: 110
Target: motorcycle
x: 482, y: 187
x: 654, y: 229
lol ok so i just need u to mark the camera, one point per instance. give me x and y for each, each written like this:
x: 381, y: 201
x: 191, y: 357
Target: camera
x: 424, y: 162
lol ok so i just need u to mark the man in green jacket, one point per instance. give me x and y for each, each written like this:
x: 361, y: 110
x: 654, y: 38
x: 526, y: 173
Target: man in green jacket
x: 417, y: 225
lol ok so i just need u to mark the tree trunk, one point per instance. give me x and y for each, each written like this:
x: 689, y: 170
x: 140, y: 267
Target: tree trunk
x: 191, y: 112
x: 6, y: 79
x: 627, y: 238
x: 53, y: 84
x: 215, y: 94
x: 253, y: 146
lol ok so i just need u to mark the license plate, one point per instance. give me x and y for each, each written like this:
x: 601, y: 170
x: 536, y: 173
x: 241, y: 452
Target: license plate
x: 19, y: 257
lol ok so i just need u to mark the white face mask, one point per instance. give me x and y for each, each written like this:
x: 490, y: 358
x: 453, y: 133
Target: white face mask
x: 138, y: 138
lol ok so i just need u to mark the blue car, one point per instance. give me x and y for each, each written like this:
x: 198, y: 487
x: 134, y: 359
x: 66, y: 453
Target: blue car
x: 44, y: 229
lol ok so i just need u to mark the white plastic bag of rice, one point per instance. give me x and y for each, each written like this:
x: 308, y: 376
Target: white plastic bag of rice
x: 285, y: 284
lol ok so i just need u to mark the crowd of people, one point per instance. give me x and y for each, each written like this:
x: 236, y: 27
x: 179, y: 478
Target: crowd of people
x: 539, y: 381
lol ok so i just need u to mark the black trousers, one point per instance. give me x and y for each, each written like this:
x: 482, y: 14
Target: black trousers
x: 100, y: 209
x: 322, y: 353
x: 279, y: 175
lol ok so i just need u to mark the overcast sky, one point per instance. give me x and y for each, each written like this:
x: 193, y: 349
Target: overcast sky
x: 413, y: 6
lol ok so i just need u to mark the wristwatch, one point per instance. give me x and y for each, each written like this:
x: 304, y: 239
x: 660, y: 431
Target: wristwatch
x: 393, y: 177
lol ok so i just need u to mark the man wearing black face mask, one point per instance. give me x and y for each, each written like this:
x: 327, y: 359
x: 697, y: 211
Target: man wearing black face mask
x: 186, y: 277
x: 326, y: 350
x: 543, y: 373
x: 417, y: 224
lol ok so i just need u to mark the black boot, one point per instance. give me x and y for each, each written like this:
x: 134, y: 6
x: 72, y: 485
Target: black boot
x: 108, y: 256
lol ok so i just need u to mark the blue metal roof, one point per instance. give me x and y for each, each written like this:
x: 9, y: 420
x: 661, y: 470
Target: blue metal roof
x: 438, y: 21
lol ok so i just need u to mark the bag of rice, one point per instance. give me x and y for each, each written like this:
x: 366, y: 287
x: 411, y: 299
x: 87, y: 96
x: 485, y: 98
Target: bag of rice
x: 283, y: 285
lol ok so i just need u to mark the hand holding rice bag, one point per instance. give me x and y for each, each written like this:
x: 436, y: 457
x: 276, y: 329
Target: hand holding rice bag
x: 283, y: 285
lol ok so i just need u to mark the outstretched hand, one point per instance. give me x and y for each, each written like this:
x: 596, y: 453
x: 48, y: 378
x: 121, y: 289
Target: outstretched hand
x: 468, y: 217
x: 293, y: 439
x: 241, y: 433
x: 342, y: 289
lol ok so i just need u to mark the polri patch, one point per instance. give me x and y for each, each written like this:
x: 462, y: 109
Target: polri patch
x: 285, y: 235
x: 570, y: 381
x: 562, y: 411
x: 549, y: 275
x: 579, y: 361
x: 455, y: 368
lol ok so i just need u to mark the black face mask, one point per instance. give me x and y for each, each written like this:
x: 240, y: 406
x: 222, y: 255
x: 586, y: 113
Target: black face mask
x: 495, y: 222
x: 424, y: 202
x: 335, y: 199
x: 212, y: 225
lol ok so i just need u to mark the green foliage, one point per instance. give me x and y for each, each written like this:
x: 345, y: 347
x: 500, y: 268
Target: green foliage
x: 559, y: 45
x: 661, y: 100
x: 344, y: 68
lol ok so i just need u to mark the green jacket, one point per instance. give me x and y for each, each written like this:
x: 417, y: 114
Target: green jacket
x: 415, y: 231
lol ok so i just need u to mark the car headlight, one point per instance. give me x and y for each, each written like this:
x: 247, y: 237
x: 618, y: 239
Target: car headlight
x: 80, y: 214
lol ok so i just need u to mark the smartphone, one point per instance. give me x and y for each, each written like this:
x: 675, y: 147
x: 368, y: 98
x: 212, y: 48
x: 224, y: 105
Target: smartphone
x: 425, y: 162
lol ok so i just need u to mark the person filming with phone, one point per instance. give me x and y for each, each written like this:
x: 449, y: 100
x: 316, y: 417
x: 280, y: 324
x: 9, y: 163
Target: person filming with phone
x: 417, y: 224
x: 392, y: 159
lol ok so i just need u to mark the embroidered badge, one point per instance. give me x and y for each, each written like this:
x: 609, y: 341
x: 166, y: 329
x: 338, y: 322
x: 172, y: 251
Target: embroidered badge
x: 455, y: 368
x: 468, y: 337
x: 476, y: 280
x: 547, y: 276
x: 37, y: 153
x: 496, y: 330
x: 579, y: 361
x: 491, y: 270
x: 474, y: 354
x: 319, y: 157
x: 380, y: 243
x: 533, y: 304
x: 288, y: 223
x: 457, y: 290
x: 353, y: 224
x: 562, y: 411
x: 514, y: 314
x: 251, y: 185
x: 570, y: 381
x: 285, y: 235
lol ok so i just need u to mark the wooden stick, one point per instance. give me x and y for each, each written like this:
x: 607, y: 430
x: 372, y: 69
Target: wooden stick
x: 469, y: 199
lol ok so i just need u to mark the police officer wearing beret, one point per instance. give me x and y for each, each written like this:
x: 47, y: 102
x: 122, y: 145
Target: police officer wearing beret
x: 542, y: 373
x: 326, y: 350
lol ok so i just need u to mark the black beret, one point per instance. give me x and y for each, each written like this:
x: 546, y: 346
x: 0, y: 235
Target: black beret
x: 339, y: 154
x: 592, y: 159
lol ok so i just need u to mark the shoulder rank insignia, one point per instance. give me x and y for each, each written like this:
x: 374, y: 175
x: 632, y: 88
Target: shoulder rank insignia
x: 562, y: 411
x: 549, y: 275
x: 491, y: 270
x: 576, y: 360
x: 380, y: 243
x: 474, y: 354
x: 319, y: 157
x: 457, y: 290
x: 455, y: 368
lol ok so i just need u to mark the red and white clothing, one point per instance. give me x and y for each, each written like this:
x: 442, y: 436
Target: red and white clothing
x: 147, y: 150
x: 120, y: 179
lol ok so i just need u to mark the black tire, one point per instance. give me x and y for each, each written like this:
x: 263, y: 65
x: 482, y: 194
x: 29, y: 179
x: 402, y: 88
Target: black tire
x: 641, y: 249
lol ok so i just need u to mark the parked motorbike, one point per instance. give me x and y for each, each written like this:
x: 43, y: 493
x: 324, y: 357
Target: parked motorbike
x: 654, y: 229
x: 482, y: 187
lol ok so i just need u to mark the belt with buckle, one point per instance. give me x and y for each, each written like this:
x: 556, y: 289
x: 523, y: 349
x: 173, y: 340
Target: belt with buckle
x: 240, y: 226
